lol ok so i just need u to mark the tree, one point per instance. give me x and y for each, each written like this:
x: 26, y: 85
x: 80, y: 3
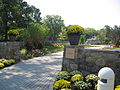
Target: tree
x: 63, y: 34
x: 113, y: 34
x: 54, y: 23
x: 35, y: 35
x: 17, y: 14
x: 102, y: 37
x: 89, y: 33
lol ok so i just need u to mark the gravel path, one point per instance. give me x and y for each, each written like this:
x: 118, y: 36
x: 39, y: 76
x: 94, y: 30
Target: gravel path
x: 33, y: 74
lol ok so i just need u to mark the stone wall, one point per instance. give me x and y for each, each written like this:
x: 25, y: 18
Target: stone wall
x: 91, y: 60
x: 10, y: 50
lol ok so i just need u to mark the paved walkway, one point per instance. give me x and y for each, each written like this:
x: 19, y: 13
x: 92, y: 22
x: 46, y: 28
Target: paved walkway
x: 32, y: 74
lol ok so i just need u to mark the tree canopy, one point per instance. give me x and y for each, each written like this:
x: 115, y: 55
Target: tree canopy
x: 55, y: 24
x: 17, y: 14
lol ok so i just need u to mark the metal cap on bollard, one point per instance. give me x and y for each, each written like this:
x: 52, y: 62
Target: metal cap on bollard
x: 107, y: 78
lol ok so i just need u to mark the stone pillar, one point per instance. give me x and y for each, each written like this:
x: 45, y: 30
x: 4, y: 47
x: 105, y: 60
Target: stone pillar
x: 70, y: 57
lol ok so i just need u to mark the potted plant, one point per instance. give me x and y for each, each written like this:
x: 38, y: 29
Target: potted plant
x: 74, y: 32
x: 12, y: 34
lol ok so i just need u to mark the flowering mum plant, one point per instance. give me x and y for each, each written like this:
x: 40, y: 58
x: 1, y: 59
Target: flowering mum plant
x: 75, y: 29
x: 13, y: 32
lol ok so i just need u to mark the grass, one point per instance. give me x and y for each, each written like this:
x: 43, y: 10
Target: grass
x: 52, y: 49
x: 113, y: 48
x: 55, y: 47
x: 92, y: 46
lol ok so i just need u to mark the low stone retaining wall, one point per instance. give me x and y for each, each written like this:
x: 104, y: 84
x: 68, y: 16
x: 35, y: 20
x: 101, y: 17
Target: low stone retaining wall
x: 91, y: 60
x: 10, y: 50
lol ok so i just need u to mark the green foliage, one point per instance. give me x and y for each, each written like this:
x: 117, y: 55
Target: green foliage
x: 113, y: 34
x: 75, y: 72
x: 92, y: 79
x: 75, y: 29
x: 64, y: 72
x: 34, y: 36
x: 66, y: 89
x: 52, y: 49
x: 23, y: 51
x: 96, y: 87
x: 13, y: 32
x: 63, y: 76
x: 1, y: 65
x: 117, y: 87
x: 89, y: 33
x: 63, y: 34
x: 6, y: 62
x: 60, y: 84
x: 1, y: 60
x: 12, y: 61
x: 55, y: 24
x: 17, y: 14
x: 81, y: 85
x: 77, y: 77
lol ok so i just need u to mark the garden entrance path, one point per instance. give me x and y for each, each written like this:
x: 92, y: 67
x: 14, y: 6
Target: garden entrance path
x: 32, y: 74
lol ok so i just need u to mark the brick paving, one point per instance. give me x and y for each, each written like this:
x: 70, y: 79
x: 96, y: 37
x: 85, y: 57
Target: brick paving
x: 33, y: 74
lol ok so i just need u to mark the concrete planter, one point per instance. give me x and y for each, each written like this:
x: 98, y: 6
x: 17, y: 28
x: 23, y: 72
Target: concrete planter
x: 74, y: 39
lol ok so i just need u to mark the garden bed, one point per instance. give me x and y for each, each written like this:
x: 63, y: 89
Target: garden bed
x: 5, y: 63
x: 76, y: 80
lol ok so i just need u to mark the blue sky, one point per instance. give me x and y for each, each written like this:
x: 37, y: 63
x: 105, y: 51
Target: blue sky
x: 86, y: 13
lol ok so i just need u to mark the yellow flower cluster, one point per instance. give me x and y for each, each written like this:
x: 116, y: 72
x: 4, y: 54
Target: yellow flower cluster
x: 117, y: 87
x: 75, y: 29
x: 13, y: 32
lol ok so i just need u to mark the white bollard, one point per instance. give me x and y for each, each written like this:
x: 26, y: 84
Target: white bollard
x: 107, y: 78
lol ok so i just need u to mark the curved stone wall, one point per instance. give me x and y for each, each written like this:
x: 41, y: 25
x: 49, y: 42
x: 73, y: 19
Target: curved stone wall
x: 91, y: 60
x: 10, y: 50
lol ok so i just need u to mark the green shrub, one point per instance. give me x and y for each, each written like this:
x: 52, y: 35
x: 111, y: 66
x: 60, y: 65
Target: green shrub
x: 66, y: 89
x: 6, y: 62
x: 75, y: 72
x: 92, y: 78
x: 63, y: 76
x: 34, y: 36
x: 1, y: 60
x: 60, y: 84
x: 81, y: 85
x: 75, y: 29
x: 23, y: 51
x: 77, y: 77
x: 1, y: 65
x: 12, y: 61
x: 96, y: 86
x: 64, y: 72
x: 117, y: 87
x: 13, y: 32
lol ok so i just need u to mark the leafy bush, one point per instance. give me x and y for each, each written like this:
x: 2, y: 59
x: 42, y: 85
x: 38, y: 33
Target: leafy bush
x: 12, y: 61
x: 66, y: 89
x: 60, y: 84
x: 75, y: 29
x: 96, y: 86
x: 92, y: 79
x: 1, y: 65
x: 64, y: 72
x: 1, y: 60
x: 13, y: 32
x: 23, y: 51
x: 81, y: 85
x: 63, y: 76
x: 6, y: 62
x: 34, y: 36
x: 117, y: 87
x: 77, y: 77
x: 75, y: 72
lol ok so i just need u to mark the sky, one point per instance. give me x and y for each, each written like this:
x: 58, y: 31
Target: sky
x: 86, y: 13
